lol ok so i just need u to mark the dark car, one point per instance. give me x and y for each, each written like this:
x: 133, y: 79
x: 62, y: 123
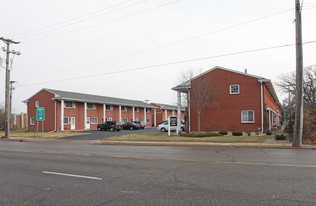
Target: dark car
x: 131, y: 126
x: 110, y: 125
x: 141, y: 123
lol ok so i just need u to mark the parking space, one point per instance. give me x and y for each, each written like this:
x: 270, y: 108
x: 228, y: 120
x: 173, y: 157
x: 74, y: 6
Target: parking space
x: 96, y: 135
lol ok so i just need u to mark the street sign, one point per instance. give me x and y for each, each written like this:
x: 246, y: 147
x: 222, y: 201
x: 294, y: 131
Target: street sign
x: 40, y: 114
x: 173, y: 121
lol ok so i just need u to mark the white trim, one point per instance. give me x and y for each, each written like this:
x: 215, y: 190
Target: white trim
x: 166, y: 114
x: 65, y: 122
x: 145, y: 116
x: 62, y: 115
x: 230, y: 88
x: 31, y: 121
x: 91, y: 122
x: 155, y: 117
x: 120, y: 113
x: 55, y: 116
x: 133, y: 113
x: 85, y: 116
x: 247, y: 115
x: 104, y: 112
x: 261, y: 90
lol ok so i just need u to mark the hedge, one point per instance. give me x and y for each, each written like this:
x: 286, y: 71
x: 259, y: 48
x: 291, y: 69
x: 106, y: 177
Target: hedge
x: 200, y: 135
x: 237, y: 133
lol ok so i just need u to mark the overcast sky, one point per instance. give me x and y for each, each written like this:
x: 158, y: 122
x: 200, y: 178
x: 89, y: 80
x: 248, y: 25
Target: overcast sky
x: 82, y: 46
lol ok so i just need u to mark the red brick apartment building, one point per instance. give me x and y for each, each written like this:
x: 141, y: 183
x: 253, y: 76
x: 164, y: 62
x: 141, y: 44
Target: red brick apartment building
x: 164, y: 111
x: 76, y: 111
x: 246, y: 103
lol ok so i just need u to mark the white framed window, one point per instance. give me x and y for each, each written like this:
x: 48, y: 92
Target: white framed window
x: 110, y: 119
x: 108, y: 107
x: 148, y: 110
x: 247, y: 116
x: 32, y: 121
x: 123, y: 108
x: 66, y: 120
x: 136, y: 109
x: 137, y: 119
x: 90, y: 106
x: 125, y: 120
x: 37, y: 104
x: 234, y: 89
x: 94, y: 120
x: 69, y: 104
x: 148, y: 121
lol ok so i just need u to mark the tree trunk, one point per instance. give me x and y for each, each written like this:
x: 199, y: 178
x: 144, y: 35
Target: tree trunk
x: 198, y: 116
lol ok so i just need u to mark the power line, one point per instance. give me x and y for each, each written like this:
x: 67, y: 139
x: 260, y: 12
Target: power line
x: 163, y: 45
x: 167, y: 64
x: 105, y: 22
x: 62, y: 25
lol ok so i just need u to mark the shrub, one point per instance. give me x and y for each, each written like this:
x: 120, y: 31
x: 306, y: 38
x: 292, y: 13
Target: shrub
x: 268, y: 132
x: 237, y: 133
x: 200, y: 135
x: 280, y: 137
x: 223, y: 133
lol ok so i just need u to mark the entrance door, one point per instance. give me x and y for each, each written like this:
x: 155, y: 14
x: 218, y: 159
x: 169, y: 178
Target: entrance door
x: 88, y: 123
x: 73, y: 123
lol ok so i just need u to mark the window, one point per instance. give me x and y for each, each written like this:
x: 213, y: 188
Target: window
x: 136, y: 109
x: 94, y: 120
x: 69, y: 104
x: 125, y: 120
x: 148, y: 121
x: 148, y: 110
x: 137, y: 119
x: 37, y: 104
x: 110, y: 119
x: 32, y: 121
x: 90, y: 106
x: 108, y: 107
x: 247, y: 116
x: 234, y: 89
x: 123, y: 108
x: 66, y: 120
x: 106, y: 119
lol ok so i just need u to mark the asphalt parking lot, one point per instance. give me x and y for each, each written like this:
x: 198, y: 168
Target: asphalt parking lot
x: 96, y: 135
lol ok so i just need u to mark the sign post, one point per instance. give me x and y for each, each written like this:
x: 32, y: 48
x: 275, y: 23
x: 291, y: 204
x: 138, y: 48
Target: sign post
x: 172, y: 123
x: 40, y: 116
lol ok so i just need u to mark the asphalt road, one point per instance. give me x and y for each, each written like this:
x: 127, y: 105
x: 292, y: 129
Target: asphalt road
x: 96, y: 135
x: 64, y: 173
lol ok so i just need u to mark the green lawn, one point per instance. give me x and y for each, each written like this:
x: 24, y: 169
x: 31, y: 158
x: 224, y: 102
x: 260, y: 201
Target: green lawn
x: 45, y: 135
x: 162, y: 137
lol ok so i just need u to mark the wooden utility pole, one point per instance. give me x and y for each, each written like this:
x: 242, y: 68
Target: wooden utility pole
x: 7, y: 86
x: 298, y: 125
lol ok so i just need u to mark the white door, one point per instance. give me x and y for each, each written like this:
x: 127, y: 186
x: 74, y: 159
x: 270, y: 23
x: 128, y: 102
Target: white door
x: 73, y: 123
x: 88, y: 123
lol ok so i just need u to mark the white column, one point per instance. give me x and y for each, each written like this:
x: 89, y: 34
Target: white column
x: 62, y: 115
x: 189, y: 110
x: 166, y: 114
x: 133, y: 113
x: 85, y: 115
x: 261, y: 90
x: 172, y: 112
x: 155, y: 121
x: 145, y: 116
x: 104, y: 112
x: 179, y: 112
x: 120, y: 113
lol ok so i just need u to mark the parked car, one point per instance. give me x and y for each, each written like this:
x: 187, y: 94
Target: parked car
x: 162, y: 122
x: 141, y: 123
x: 131, y: 126
x: 110, y: 125
x: 164, y: 127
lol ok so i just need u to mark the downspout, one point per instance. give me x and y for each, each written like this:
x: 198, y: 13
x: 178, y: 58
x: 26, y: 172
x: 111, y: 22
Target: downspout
x: 261, y: 105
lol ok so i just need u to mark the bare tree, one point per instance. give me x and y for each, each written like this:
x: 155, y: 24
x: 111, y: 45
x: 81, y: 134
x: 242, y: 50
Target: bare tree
x: 287, y: 84
x: 2, y: 118
x: 202, y: 95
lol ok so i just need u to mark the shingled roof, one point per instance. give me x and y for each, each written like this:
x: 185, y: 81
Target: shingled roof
x: 81, y: 97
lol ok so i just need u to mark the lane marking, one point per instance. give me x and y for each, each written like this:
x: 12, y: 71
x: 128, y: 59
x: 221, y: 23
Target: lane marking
x: 71, y: 175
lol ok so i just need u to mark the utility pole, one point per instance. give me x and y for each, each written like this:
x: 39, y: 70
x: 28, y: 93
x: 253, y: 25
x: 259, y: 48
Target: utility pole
x: 298, y: 125
x: 11, y: 91
x: 7, y: 84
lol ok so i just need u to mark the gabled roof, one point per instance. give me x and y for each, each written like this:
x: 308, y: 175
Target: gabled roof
x: 187, y: 84
x: 89, y: 98
x: 168, y: 106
